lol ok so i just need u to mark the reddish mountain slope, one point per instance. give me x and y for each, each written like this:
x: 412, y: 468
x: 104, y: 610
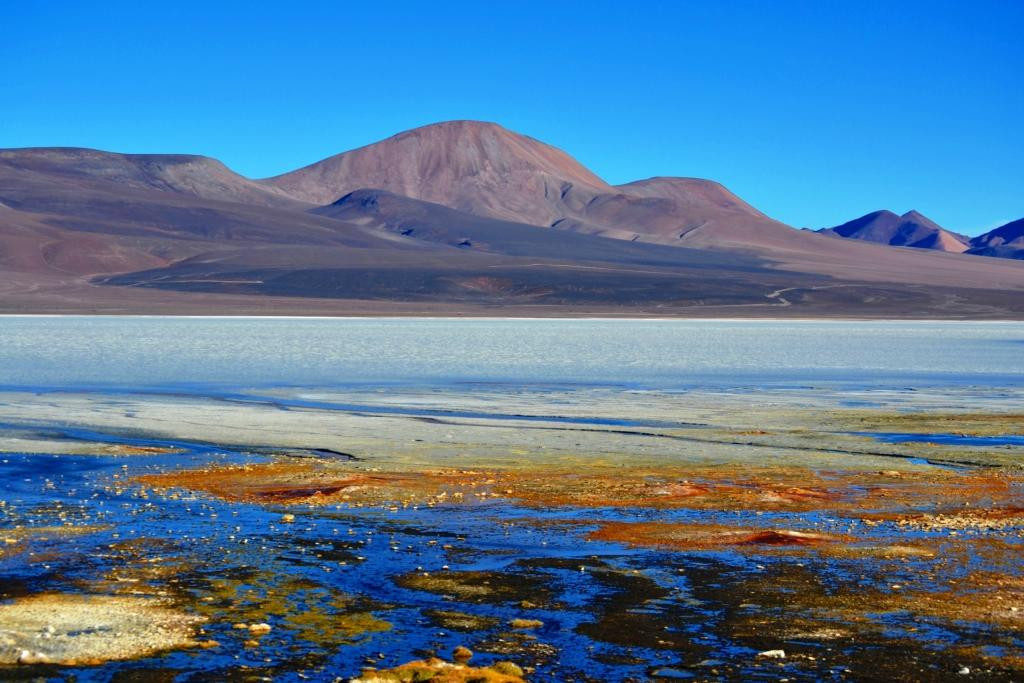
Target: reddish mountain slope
x: 691, y: 193
x: 466, y: 165
x: 484, y: 169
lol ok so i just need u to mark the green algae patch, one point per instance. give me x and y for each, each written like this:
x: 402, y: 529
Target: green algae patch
x: 480, y: 586
x: 332, y: 630
x: 308, y: 610
x: 461, y: 621
x: 967, y: 424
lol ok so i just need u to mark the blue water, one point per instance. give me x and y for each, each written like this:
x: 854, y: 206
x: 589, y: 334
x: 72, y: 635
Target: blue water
x: 949, y: 439
x: 357, y: 553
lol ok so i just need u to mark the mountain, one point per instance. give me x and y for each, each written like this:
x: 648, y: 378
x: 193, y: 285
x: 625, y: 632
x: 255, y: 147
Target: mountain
x: 909, y: 230
x: 455, y: 218
x: 471, y: 166
x: 186, y: 174
x: 687, y: 211
x: 691, y: 193
x: 1006, y: 241
x: 484, y: 169
x: 436, y: 224
x: 173, y: 198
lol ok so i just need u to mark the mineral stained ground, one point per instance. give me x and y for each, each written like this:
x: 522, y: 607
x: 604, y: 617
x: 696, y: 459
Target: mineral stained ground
x: 484, y: 533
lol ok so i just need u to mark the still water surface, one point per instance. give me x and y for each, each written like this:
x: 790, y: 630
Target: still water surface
x: 147, y: 352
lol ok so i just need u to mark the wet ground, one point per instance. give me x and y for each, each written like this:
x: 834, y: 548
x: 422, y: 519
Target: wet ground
x: 579, y: 533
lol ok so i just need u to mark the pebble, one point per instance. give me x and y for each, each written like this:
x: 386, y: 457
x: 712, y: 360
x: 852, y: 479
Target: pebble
x: 772, y: 654
x: 29, y: 657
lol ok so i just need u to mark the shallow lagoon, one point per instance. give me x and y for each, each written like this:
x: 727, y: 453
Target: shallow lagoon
x: 160, y: 352
x: 748, y: 445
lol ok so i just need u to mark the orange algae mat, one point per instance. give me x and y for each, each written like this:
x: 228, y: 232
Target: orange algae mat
x: 979, y: 493
x: 883, y: 510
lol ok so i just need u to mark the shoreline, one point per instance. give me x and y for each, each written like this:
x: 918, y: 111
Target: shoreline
x: 489, y: 318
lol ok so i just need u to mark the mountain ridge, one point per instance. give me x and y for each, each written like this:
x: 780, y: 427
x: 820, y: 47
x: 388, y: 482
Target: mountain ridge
x: 195, y: 174
x: 1006, y: 241
x: 520, y: 225
x: 911, y: 229
x: 486, y: 169
x: 429, y: 162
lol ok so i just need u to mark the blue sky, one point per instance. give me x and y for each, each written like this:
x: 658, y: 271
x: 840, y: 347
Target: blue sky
x: 815, y: 112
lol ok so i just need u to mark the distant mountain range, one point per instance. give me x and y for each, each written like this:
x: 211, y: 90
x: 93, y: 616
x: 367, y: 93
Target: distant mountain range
x: 915, y: 230
x: 909, y: 230
x: 461, y: 217
x: 1006, y: 241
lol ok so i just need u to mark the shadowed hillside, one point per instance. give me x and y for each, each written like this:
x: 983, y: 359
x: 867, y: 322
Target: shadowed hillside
x: 1006, y: 241
x: 909, y: 230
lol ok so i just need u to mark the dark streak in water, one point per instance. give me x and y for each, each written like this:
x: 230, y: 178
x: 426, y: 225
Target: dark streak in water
x: 129, y: 438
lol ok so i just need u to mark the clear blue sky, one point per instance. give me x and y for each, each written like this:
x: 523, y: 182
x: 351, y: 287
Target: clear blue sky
x: 816, y: 112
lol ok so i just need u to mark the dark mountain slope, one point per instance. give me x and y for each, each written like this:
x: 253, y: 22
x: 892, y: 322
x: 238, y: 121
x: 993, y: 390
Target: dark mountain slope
x: 1006, y: 241
x: 909, y: 230
x: 434, y: 223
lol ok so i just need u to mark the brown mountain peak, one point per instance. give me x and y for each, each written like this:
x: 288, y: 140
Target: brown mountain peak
x: 468, y: 165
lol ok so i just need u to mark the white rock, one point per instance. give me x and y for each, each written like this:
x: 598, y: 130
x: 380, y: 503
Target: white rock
x: 29, y: 657
x: 773, y: 654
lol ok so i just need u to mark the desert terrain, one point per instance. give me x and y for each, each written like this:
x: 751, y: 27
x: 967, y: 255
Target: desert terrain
x: 456, y: 218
